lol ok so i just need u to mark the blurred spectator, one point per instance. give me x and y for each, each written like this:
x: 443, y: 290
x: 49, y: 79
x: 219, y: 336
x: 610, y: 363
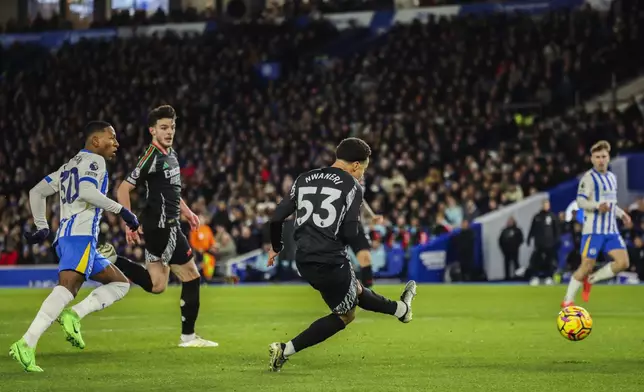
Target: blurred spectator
x: 453, y: 212
x: 545, y: 230
x: 225, y: 249
x: 246, y: 241
x: 636, y: 256
x: 258, y: 269
x: 510, y: 241
x: 202, y: 239
x: 203, y: 243
x: 464, y: 243
x: 378, y: 252
x: 9, y: 254
x: 636, y: 211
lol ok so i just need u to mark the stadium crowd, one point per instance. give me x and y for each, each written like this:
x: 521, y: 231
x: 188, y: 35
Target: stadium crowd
x: 445, y: 116
x: 235, y: 10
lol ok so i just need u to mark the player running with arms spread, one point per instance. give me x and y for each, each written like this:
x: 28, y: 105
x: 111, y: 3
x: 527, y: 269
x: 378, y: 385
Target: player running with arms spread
x: 327, y: 206
x: 82, y: 184
x: 166, y: 247
x: 597, y: 196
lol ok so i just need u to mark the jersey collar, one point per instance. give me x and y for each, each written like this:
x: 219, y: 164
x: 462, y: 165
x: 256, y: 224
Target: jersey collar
x: 598, y: 173
x: 160, y: 148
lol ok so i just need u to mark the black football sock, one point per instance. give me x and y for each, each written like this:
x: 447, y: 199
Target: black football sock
x: 373, y: 302
x: 189, y: 306
x: 366, y: 276
x: 135, y: 272
x: 319, y: 331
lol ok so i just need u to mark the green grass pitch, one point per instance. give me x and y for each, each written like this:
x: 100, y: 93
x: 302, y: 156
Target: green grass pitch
x: 462, y: 338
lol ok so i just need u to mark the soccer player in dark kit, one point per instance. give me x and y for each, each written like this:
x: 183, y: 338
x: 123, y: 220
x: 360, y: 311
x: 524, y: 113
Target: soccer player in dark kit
x: 327, y: 206
x: 166, y: 247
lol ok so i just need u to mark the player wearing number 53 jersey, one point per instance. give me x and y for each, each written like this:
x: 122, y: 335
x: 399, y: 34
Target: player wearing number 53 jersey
x: 326, y: 203
x: 597, y: 197
x: 81, y: 184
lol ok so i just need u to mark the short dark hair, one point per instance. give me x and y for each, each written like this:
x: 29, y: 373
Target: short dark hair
x: 164, y: 111
x: 93, y: 127
x: 353, y: 150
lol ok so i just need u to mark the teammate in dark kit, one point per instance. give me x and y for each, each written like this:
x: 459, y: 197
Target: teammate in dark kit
x: 166, y: 247
x: 327, y: 205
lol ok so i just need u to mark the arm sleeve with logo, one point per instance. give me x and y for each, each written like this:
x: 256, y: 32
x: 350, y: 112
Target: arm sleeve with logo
x: 586, y: 193
x: 142, y: 168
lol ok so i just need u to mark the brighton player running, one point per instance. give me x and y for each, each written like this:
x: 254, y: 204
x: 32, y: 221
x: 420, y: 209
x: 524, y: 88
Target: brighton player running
x: 82, y: 183
x: 597, y: 196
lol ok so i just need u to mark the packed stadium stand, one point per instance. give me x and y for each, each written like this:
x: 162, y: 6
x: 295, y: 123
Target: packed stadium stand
x: 465, y: 115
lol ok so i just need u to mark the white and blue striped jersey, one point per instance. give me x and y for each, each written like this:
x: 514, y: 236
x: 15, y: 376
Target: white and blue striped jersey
x: 78, y: 217
x: 594, y: 189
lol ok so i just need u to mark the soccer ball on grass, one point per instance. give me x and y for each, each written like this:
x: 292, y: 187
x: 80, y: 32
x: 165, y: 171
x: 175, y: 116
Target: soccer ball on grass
x: 574, y: 323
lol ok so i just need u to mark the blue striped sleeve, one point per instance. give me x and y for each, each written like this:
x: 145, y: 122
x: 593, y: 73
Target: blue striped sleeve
x: 89, y: 179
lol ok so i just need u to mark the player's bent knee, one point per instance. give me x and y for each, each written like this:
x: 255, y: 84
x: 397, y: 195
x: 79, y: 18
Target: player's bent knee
x: 186, y: 272
x: 159, y: 284
x: 158, y: 288
x: 347, y: 318
x: 622, y: 262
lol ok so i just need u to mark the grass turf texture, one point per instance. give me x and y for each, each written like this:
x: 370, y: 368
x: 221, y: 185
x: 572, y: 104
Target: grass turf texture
x: 462, y: 338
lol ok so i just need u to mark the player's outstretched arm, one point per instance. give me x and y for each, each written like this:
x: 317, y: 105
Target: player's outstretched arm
x: 371, y: 216
x: 123, y: 197
x: 193, y: 218
x: 623, y: 215
x: 88, y: 193
x: 38, y: 199
x: 351, y: 224
x: 283, y: 210
x: 123, y: 194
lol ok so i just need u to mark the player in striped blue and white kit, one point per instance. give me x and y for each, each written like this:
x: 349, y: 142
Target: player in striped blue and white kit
x: 597, y: 196
x: 82, y: 184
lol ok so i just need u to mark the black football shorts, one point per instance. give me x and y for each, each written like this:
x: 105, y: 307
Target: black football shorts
x: 167, y: 245
x: 336, y: 283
